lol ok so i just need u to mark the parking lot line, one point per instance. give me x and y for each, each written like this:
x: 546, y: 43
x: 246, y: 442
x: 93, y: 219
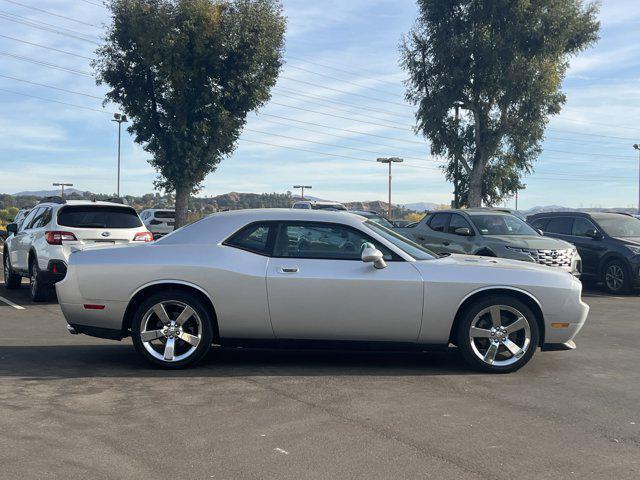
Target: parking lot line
x: 11, y: 304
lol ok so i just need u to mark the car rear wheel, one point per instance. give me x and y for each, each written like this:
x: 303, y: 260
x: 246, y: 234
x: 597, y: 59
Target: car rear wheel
x: 498, y: 334
x: 38, y: 290
x: 172, y: 329
x: 616, y: 278
x: 11, y: 280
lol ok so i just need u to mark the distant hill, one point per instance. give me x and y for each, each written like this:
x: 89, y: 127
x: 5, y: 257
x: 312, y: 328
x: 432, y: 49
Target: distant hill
x: 48, y: 193
x: 421, y: 206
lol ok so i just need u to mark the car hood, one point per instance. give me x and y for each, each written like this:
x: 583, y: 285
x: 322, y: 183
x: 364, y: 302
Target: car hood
x: 536, y: 242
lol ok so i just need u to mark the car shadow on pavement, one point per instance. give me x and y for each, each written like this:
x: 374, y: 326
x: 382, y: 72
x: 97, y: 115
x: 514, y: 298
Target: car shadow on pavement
x: 121, y: 360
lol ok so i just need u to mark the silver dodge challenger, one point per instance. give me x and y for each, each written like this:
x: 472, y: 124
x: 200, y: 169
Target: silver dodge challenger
x: 276, y: 277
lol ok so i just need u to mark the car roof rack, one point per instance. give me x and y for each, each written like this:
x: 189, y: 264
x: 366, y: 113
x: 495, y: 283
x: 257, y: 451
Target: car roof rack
x: 119, y: 200
x: 52, y: 199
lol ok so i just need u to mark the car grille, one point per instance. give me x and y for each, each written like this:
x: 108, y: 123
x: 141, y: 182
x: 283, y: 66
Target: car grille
x: 554, y: 258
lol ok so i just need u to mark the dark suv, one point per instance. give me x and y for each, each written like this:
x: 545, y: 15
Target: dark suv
x: 609, y: 244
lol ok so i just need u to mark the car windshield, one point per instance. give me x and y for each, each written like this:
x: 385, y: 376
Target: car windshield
x: 89, y: 216
x: 620, y: 226
x: 416, y: 251
x: 493, y: 224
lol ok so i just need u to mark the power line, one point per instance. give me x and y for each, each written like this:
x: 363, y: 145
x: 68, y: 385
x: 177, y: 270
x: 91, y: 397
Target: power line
x: 407, y: 128
x: 56, y: 101
x: 52, y: 13
x: 330, y: 154
x: 46, y: 64
x: 46, y: 27
x: 48, y: 48
x: 386, y: 92
x: 50, y: 86
x: 333, y: 145
x: 348, y: 110
x: 345, y: 92
x: 94, y: 3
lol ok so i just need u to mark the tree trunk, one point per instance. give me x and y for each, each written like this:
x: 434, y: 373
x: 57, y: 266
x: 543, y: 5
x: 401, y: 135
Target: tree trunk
x: 474, y: 196
x: 182, y: 206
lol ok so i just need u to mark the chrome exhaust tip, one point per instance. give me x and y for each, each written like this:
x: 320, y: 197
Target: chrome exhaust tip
x: 72, y: 330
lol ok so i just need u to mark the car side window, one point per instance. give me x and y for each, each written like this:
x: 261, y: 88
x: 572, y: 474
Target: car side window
x: 42, y: 219
x: 438, y: 222
x: 253, y: 238
x: 28, y: 221
x: 560, y: 225
x: 323, y: 241
x: 540, y: 223
x: 583, y: 227
x: 457, y: 221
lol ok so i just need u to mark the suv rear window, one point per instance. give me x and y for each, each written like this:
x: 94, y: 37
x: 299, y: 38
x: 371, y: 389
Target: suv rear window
x: 165, y: 214
x: 90, y: 216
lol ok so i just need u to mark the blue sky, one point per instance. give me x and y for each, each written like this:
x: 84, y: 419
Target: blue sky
x: 336, y: 107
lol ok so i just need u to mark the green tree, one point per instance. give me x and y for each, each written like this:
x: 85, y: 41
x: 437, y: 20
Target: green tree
x: 187, y: 73
x: 502, y: 62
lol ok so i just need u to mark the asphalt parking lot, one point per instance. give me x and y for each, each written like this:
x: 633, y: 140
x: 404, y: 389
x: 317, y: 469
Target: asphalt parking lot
x: 74, y: 407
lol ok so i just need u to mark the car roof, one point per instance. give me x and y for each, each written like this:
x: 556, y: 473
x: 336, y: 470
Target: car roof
x: 594, y: 215
x: 83, y: 203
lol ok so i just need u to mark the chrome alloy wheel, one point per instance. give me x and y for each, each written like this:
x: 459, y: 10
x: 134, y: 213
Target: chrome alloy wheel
x: 33, y: 281
x: 500, y: 335
x: 614, y: 277
x: 171, y: 331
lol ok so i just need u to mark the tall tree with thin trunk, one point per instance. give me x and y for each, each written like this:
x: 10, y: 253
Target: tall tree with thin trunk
x: 502, y: 62
x: 187, y: 73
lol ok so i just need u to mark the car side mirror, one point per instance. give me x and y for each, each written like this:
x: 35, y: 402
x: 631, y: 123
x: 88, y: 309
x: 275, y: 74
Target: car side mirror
x: 540, y: 232
x: 375, y: 256
x: 12, y: 228
x: 464, y: 231
x: 595, y: 234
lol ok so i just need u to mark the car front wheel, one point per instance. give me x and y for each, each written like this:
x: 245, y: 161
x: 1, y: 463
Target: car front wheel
x: 498, y: 334
x: 11, y: 280
x: 172, y: 329
x: 616, y: 277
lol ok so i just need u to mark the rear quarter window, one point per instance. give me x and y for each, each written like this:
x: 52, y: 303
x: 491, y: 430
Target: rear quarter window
x: 90, y: 216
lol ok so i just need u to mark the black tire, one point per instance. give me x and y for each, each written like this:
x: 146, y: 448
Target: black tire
x: 472, y: 350
x: 12, y: 280
x: 172, y: 301
x: 616, y: 277
x: 38, y: 290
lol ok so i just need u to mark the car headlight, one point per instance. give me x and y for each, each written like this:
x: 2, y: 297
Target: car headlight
x: 634, y: 249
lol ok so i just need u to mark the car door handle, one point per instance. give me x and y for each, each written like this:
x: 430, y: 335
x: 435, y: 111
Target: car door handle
x: 288, y: 269
x: 420, y: 237
x: 446, y: 244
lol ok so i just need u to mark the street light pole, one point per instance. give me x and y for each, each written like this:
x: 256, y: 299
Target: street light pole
x: 637, y: 147
x: 302, y: 187
x: 389, y: 161
x: 120, y: 119
x: 62, y: 185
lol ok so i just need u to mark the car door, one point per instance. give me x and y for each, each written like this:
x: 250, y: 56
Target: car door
x: 456, y: 242
x: 433, y: 233
x: 20, y: 243
x: 589, y: 248
x: 319, y: 288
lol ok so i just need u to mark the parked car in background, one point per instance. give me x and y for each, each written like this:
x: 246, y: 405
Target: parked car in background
x: 20, y: 216
x: 281, y: 276
x: 374, y: 217
x: 609, y: 244
x: 158, y: 221
x: 491, y: 233
x: 318, y: 205
x: 40, y: 247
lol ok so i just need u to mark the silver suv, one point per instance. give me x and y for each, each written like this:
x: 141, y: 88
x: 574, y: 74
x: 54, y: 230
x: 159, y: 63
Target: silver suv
x: 40, y: 246
x: 493, y: 233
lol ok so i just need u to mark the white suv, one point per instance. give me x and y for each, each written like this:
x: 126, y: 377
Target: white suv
x: 40, y: 246
x: 158, y: 221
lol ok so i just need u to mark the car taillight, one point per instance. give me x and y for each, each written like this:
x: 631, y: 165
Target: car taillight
x: 143, y: 237
x: 54, y: 237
